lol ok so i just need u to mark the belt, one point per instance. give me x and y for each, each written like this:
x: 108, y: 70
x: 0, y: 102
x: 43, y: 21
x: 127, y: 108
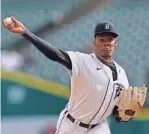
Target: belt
x: 88, y: 126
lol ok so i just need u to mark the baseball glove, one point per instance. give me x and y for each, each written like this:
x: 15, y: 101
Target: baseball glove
x: 130, y: 102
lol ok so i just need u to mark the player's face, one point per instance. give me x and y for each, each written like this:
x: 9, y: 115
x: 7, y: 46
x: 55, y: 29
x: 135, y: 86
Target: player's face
x: 105, y: 45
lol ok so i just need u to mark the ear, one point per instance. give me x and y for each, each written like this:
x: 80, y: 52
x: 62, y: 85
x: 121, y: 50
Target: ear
x: 116, y: 44
x: 115, y: 47
x: 94, y: 44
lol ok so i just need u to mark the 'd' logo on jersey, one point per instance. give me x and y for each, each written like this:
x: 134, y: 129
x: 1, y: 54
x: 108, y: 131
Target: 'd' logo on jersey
x: 118, y: 88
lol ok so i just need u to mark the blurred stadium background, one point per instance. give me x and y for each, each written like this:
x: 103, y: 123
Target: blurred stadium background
x: 34, y: 90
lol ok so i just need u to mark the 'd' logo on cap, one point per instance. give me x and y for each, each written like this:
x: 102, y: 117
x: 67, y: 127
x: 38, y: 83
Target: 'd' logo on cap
x: 107, y: 26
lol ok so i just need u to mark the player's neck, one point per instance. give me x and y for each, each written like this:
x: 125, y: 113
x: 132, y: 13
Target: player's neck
x: 105, y: 60
x: 108, y: 60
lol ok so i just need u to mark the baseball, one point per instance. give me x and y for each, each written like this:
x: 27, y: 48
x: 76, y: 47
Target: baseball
x: 8, y: 21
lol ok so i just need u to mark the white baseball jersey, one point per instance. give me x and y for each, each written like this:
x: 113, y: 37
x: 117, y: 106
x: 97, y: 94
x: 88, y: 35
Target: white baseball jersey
x: 93, y: 90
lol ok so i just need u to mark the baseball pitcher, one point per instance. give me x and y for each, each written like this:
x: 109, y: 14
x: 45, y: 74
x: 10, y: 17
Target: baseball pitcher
x: 99, y: 85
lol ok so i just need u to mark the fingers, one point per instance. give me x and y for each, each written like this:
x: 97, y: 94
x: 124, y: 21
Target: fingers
x: 14, y: 20
x: 14, y: 26
x: 17, y: 30
x: 124, y: 99
x: 120, y: 103
x: 134, y: 94
x: 128, y: 100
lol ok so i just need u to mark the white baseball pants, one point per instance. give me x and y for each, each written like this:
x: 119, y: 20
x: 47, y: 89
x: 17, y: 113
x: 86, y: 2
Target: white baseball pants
x: 65, y: 126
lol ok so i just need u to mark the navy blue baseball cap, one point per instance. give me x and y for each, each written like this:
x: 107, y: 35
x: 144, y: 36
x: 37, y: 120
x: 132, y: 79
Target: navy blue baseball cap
x: 105, y: 28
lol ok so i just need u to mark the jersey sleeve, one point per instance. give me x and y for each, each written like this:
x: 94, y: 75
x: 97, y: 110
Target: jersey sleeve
x: 76, y: 60
x: 48, y: 50
x: 125, y: 79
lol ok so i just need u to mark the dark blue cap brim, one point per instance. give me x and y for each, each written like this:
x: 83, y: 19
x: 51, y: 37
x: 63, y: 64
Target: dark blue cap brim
x: 107, y: 33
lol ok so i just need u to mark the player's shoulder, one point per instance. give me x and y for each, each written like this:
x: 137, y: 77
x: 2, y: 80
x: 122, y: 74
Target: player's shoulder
x: 78, y: 54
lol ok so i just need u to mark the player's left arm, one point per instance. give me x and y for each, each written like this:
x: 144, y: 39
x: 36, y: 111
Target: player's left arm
x: 129, y: 103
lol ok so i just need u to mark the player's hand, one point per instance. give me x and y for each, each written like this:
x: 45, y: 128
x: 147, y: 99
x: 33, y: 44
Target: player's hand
x: 14, y: 26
